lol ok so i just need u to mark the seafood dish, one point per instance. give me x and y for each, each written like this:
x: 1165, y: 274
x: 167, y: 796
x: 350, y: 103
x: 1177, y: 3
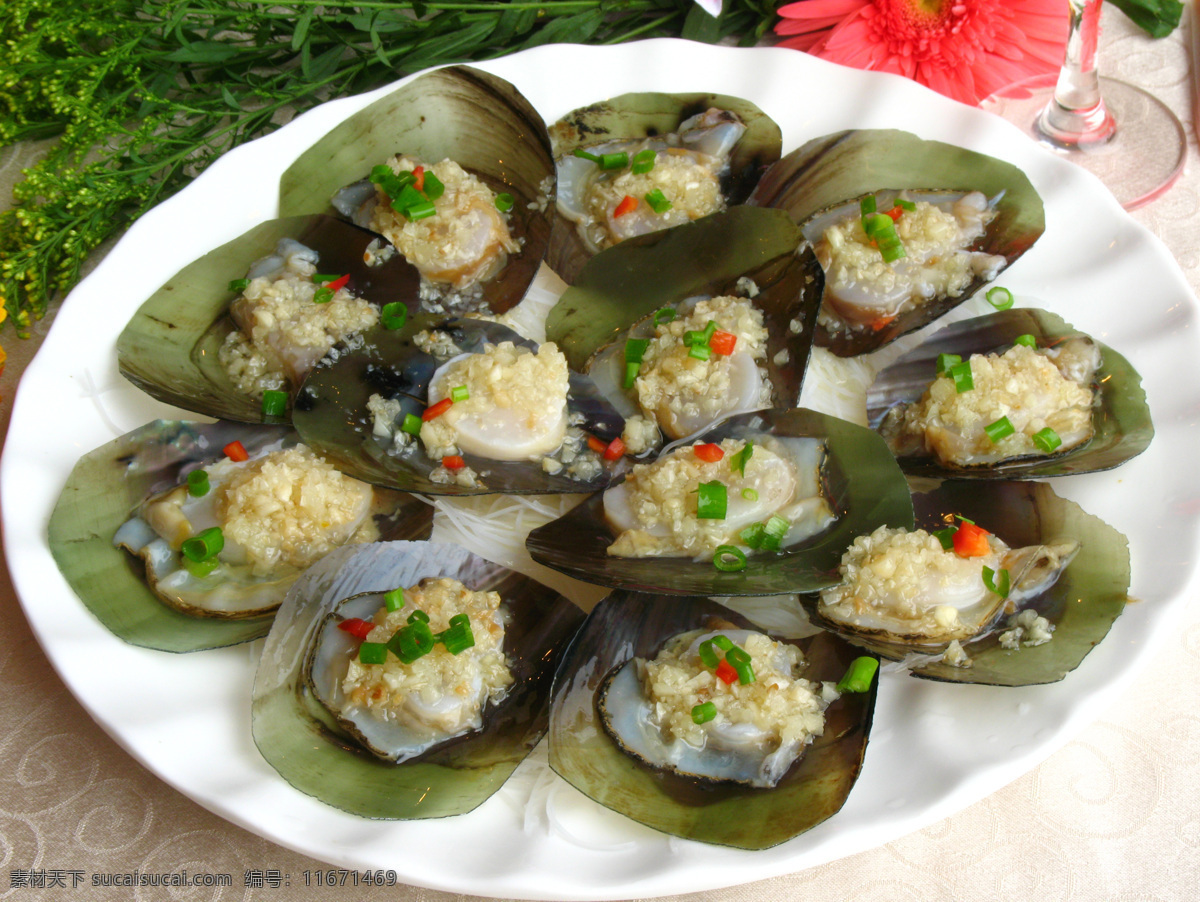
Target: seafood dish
x: 431, y: 723
x: 640, y: 163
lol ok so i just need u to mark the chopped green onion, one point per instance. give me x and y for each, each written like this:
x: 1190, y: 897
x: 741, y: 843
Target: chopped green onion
x: 631, y: 373
x: 584, y: 155
x: 708, y: 657
x: 643, y: 161
x: 750, y: 494
x: 458, y: 638
x: 961, y: 374
x: 422, y: 210
x: 658, y: 201
x: 635, y: 349
x: 704, y: 712
x: 274, y: 403
x: 412, y: 424
x: 460, y: 393
x: 945, y: 536
x: 892, y: 252
x: 867, y: 205
x: 323, y: 296
x: 1047, y: 440
x: 738, y: 462
x: 504, y: 202
x: 739, y: 659
x: 432, y: 186
x: 999, y: 429
x: 373, y: 652
x: 907, y: 205
x: 712, y: 500
x: 200, y: 569
x: 773, y: 532
x: 197, y: 483
x: 407, y: 198
x: 945, y: 361
x: 722, y: 642
x: 1027, y: 340
x: 412, y: 642
x: 324, y: 278
x: 694, y: 337
x: 418, y: 614
x: 1000, y: 298
x: 239, y: 285
x: 663, y: 316
x: 858, y: 675
x: 394, y: 600
x: 204, y: 545
x: 999, y: 586
x: 605, y: 160
x: 729, y: 558
x: 393, y: 316
x: 710, y: 330
x: 700, y: 352
x: 753, y: 534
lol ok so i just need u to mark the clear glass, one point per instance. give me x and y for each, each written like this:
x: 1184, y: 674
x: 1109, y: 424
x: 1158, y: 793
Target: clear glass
x: 1125, y: 136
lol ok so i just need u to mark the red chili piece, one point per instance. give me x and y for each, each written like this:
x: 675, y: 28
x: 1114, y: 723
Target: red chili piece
x: 627, y: 205
x: 453, y: 462
x: 709, y: 453
x: 614, y: 450
x: 236, y: 451
x: 357, y: 628
x: 725, y: 673
x: 437, y: 409
x: 419, y: 177
x: 596, y: 444
x: 722, y: 342
x: 896, y: 213
x: 971, y: 540
x: 339, y: 283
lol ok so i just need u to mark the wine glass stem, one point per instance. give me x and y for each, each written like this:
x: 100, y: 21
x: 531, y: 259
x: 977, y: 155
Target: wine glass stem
x: 1077, y: 114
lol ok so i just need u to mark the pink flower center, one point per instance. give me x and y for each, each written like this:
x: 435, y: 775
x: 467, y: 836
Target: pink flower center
x: 927, y: 29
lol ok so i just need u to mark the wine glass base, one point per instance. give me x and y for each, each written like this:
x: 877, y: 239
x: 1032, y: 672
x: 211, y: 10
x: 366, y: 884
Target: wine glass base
x: 1143, y: 157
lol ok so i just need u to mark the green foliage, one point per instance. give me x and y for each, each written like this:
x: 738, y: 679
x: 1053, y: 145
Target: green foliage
x: 144, y: 94
x: 1157, y: 17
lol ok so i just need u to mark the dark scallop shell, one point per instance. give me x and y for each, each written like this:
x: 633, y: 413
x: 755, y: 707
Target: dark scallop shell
x: 305, y: 743
x: 632, y: 117
x: 839, y: 169
x: 628, y: 625
x: 108, y: 484
x: 480, y: 121
x: 169, y: 347
x: 1121, y: 416
x: 863, y: 484
x: 331, y: 412
x: 1082, y: 604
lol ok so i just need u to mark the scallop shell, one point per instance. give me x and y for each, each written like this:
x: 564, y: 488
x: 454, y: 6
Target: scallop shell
x: 633, y: 117
x: 628, y: 625
x: 1082, y: 604
x: 1121, y: 416
x: 108, y: 483
x: 303, y: 740
x: 331, y: 412
x: 839, y: 169
x: 169, y: 347
x: 863, y: 484
x: 480, y: 121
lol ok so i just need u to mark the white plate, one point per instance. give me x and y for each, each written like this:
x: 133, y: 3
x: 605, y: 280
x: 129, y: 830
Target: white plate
x: 935, y: 748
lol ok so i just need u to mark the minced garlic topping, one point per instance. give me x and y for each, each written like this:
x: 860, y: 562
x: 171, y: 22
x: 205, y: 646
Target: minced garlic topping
x: 1020, y: 384
x: 284, y: 332
x: 290, y: 508
x: 674, y: 387
x: 789, y: 708
x: 416, y: 693
x: 516, y: 406
x: 688, y: 180
x: 864, y: 287
x: 467, y: 239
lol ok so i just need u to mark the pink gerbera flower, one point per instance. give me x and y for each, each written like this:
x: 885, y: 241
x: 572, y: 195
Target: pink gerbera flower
x: 965, y: 49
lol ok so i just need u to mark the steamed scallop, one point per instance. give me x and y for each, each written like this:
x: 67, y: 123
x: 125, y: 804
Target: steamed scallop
x: 270, y: 517
x: 906, y: 586
x: 668, y: 179
x: 288, y: 319
x: 676, y: 712
x: 762, y: 485
x: 405, y: 704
